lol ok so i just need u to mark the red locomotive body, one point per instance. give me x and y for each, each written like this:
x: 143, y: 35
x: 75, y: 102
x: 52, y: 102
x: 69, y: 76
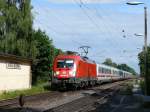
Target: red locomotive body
x: 72, y: 69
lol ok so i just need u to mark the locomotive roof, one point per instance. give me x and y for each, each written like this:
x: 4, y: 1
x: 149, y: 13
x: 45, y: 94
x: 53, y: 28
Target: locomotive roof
x: 68, y: 56
x: 88, y: 60
x: 76, y: 57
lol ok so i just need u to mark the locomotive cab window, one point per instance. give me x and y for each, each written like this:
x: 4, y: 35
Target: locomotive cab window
x: 66, y: 63
x: 69, y: 63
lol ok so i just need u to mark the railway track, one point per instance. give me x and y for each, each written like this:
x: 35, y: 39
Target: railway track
x: 46, y: 102
x: 86, y: 104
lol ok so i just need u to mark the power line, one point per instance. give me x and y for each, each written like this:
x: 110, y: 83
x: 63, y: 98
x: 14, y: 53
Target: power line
x: 109, y: 33
x: 108, y: 25
x: 89, y: 17
x: 102, y: 17
x: 80, y: 3
x: 59, y: 21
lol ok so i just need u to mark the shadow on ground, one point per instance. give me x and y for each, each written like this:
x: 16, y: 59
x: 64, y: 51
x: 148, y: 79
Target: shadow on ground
x: 18, y: 110
x: 120, y: 103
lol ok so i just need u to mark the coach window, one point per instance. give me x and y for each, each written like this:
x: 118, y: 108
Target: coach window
x: 113, y: 71
x: 99, y: 70
x: 106, y: 70
x: 103, y: 71
x: 109, y: 72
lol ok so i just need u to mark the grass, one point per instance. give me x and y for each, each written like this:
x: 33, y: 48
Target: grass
x: 142, y: 85
x: 13, y: 94
x: 127, y: 90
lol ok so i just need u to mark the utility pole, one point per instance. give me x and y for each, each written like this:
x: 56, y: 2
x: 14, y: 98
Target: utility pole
x: 145, y: 52
x: 146, y: 76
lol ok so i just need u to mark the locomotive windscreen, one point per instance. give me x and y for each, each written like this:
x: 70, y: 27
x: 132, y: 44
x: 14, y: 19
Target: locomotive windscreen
x: 65, y: 63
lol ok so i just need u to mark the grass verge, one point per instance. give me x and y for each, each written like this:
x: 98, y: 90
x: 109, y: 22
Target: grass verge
x: 13, y: 94
x: 127, y: 90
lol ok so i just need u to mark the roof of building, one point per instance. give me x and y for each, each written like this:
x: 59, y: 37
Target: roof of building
x: 14, y: 57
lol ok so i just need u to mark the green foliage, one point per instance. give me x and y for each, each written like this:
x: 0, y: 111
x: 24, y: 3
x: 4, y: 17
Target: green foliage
x: 71, y: 53
x: 109, y: 62
x: 124, y: 67
x: 13, y: 94
x: 142, y: 85
x: 19, y: 38
x: 42, y: 65
x: 141, y: 57
x: 127, y: 89
x: 16, y: 28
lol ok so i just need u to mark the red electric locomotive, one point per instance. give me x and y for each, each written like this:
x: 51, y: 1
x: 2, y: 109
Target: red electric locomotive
x: 74, y: 71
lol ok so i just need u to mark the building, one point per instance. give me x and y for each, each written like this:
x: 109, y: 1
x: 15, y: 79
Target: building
x: 15, y: 73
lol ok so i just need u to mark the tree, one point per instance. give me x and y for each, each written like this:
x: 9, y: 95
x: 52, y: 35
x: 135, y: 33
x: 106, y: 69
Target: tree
x: 18, y: 37
x: 16, y: 28
x: 141, y: 57
x: 42, y: 65
x: 71, y: 53
x: 124, y: 67
x: 109, y: 62
x: 142, y: 65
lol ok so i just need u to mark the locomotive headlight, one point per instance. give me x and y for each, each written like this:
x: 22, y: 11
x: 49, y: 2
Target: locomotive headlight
x: 54, y: 74
x: 57, y: 73
x: 72, y: 73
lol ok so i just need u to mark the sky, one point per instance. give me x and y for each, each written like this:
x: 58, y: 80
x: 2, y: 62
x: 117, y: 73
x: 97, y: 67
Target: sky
x: 107, y: 26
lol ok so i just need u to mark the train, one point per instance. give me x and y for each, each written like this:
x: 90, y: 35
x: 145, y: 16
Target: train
x: 75, y: 71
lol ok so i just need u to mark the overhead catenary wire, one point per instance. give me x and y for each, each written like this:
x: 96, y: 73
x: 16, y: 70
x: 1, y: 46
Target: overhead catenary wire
x: 108, y: 18
x: 101, y: 18
x: 107, y: 25
x: 79, y: 3
x: 60, y: 22
x: 91, y: 19
x: 116, y: 27
x: 109, y: 34
x: 87, y: 15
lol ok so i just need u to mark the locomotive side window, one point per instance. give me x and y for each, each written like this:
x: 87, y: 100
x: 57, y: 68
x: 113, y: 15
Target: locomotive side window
x: 65, y: 63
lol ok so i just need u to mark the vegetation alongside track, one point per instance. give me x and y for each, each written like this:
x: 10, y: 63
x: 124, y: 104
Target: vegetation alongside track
x: 123, y: 66
x: 34, y: 90
x: 141, y: 57
x: 127, y: 90
x: 18, y: 37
